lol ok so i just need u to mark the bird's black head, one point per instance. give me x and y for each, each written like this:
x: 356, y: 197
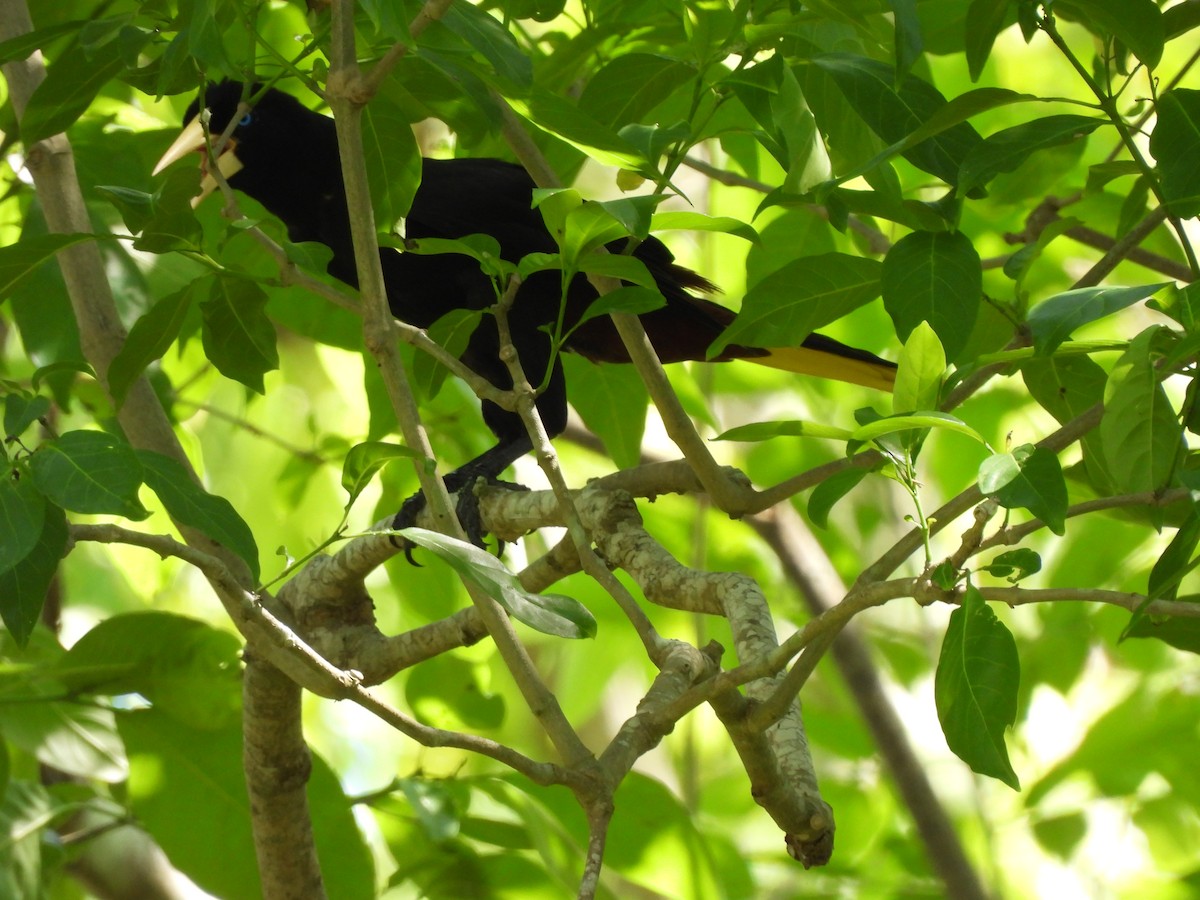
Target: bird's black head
x: 280, y: 152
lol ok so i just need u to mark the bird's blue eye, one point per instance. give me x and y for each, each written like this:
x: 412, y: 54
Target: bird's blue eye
x: 246, y: 119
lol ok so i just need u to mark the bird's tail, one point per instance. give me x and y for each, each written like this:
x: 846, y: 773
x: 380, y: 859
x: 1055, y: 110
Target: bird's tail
x: 827, y: 358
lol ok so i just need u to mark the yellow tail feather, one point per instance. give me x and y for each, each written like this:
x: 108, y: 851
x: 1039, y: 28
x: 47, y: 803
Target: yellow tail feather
x: 805, y: 361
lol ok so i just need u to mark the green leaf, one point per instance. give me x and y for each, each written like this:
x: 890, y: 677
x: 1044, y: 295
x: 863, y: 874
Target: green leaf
x: 26, y: 809
x: 23, y: 586
x: 985, y: 20
x: 1175, y: 144
x: 975, y: 688
x: 446, y: 692
x: 631, y: 299
x: 1140, y: 433
x: 1028, y: 477
x: 22, y: 46
x: 561, y: 118
x: 149, y: 339
x: 90, y: 472
x: 826, y: 494
x: 76, y: 738
x: 921, y: 368
x: 184, y: 667
x: 764, y: 431
x: 908, y: 42
x: 189, y: 504
x: 791, y: 303
x: 1015, y: 564
x: 1180, y: 633
x: 71, y: 85
x: 1138, y: 24
x: 886, y: 425
x: 393, y: 161
x: 163, y: 220
x: 1005, y: 150
x: 367, y: 458
x: 1175, y: 562
x: 694, y: 221
x: 1053, y: 321
x: 21, y: 410
x: 628, y: 87
x: 612, y: 402
x: 238, y: 337
x: 493, y: 42
x: 552, y: 614
x: 20, y: 259
x: 934, y: 277
x: 893, y: 113
x: 1067, y: 387
x: 22, y: 509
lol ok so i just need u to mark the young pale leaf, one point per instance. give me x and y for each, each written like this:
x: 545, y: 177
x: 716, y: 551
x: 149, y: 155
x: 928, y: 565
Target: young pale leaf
x: 791, y: 303
x: 1028, y: 477
x: 1139, y: 431
x: 934, y: 277
x: 189, y: 504
x: 1175, y: 143
x: 763, y: 431
x: 149, y: 338
x: 238, y: 337
x: 694, y: 221
x: 826, y: 494
x: 921, y: 368
x: 552, y: 614
x: 367, y: 458
x: 22, y: 509
x: 975, y: 688
x: 1053, y: 321
x: 23, y: 585
x: 90, y: 472
x: 916, y: 420
x: 1005, y: 150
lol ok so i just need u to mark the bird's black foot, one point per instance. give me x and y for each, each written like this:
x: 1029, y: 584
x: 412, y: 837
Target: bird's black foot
x: 466, y: 508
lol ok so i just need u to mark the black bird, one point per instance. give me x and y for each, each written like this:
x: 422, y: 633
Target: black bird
x: 286, y: 157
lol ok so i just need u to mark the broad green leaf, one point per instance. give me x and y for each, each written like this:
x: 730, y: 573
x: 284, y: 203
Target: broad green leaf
x: 189, y: 504
x: 22, y: 258
x: 1175, y: 562
x: 90, y: 472
x: 908, y: 43
x: 563, y: 119
x: 493, y: 42
x: 612, y: 402
x: 934, y: 277
x: 76, y: 738
x: 632, y: 299
x: 1005, y: 150
x: 1175, y: 143
x: 826, y: 494
x: 22, y: 46
x: 1138, y: 24
x: 552, y: 614
x: 1181, y: 18
x: 628, y: 87
x: 1067, y: 387
x: 393, y: 161
x: 367, y: 458
x: 921, y: 368
x: 1053, y: 321
x: 22, y: 410
x: 985, y: 20
x: 23, y: 586
x: 149, y: 339
x: 238, y: 336
x: 975, y: 688
x: 163, y: 220
x: 1177, y: 631
x: 788, y: 305
x: 893, y: 113
x: 764, y: 431
x: 627, y: 268
x: 71, y: 85
x: 1139, y: 430
x: 1029, y: 477
x: 184, y: 667
x: 446, y: 692
x: 453, y: 332
x: 22, y: 509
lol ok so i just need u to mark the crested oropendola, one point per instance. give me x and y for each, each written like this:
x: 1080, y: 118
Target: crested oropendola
x: 285, y: 156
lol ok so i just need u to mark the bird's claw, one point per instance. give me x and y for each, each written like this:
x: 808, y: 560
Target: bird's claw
x: 466, y: 508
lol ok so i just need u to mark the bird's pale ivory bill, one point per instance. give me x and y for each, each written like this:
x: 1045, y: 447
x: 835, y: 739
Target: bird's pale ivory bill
x: 192, y: 140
